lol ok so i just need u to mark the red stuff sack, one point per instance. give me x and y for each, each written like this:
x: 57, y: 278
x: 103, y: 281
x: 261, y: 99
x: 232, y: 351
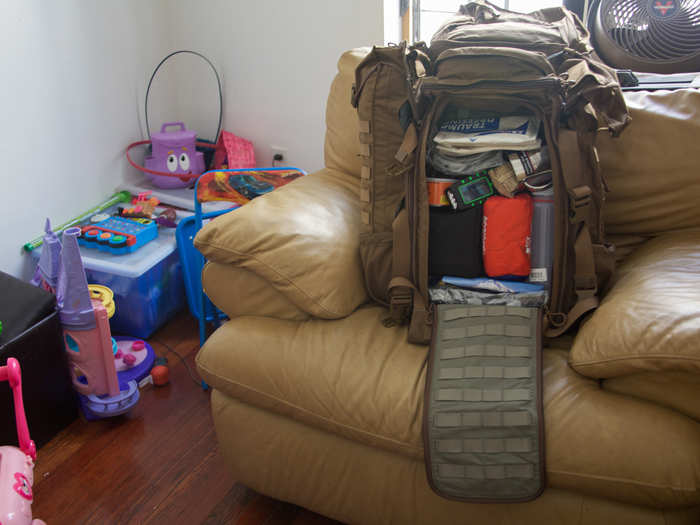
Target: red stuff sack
x: 506, y: 236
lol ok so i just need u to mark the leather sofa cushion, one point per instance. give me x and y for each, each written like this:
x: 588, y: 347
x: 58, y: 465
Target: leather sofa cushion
x: 652, y: 167
x: 342, y: 132
x: 353, y: 376
x: 353, y: 483
x: 237, y: 292
x: 302, y: 238
x: 650, y: 318
x: 679, y: 391
x: 356, y: 378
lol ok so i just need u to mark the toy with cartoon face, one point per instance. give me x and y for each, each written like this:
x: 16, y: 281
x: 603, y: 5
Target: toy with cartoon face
x: 174, y: 152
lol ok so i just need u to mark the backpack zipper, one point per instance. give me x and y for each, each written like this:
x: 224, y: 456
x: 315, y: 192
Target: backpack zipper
x: 432, y: 84
x: 534, y: 59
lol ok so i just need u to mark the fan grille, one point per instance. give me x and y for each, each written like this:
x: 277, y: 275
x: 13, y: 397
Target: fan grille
x: 653, y: 29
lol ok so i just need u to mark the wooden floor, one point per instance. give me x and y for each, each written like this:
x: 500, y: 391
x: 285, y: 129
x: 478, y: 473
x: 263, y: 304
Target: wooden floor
x: 158, y: 464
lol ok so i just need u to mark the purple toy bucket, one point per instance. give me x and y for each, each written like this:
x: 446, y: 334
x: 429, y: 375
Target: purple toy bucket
x: 174, y: 152
x: 174, y: 161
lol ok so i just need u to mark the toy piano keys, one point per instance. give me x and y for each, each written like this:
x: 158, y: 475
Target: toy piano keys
x: 118, y: 235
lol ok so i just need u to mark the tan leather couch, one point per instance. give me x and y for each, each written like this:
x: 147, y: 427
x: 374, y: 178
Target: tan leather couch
x: 317, y: 403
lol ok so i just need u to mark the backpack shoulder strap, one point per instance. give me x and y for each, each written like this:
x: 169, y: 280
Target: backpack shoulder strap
x: 585, y: 279
x: 585, y: 283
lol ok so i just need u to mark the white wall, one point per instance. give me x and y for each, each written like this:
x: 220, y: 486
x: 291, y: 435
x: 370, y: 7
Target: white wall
x: 392, y: 22
x: 74, y: 75
x: 277, y: 59
x: 71, y: 73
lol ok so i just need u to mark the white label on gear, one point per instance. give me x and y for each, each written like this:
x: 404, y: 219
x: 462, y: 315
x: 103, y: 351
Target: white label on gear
x: 538, y: 275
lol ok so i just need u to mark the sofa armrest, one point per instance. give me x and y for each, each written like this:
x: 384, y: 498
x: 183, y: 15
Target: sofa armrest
x: 649, y: 321
x: 302, y: 238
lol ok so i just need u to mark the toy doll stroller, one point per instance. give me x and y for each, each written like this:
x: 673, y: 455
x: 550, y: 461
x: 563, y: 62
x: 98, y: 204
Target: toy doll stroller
x: 17, y: 464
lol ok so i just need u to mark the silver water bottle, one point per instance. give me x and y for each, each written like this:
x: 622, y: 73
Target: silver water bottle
x: 542, y: 240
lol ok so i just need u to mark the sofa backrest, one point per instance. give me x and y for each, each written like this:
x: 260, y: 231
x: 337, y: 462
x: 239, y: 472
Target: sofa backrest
x: 342, y: 133
x: 653, y: 169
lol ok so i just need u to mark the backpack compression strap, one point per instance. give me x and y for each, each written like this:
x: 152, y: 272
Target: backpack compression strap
x: 401, y: 290
x: 585, y: 279
x: 585, y: 283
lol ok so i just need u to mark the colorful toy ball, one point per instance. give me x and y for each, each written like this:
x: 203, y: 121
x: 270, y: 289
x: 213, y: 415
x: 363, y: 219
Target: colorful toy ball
x: 160, y: 375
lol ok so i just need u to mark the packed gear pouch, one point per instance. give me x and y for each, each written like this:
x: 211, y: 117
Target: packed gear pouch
x: 506, y: 236
x: 478, y: 135
x: 455, y: 241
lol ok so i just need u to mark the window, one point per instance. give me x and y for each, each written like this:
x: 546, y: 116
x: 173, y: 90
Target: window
x: 430, y: 14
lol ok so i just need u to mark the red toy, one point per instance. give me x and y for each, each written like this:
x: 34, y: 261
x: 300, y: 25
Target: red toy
x: 160, y: 375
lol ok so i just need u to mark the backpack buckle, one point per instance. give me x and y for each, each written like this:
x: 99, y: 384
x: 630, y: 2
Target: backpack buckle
x: 586, y: 286
x: 397, y: 170
x: 400, y: 305
x: 579, y: 203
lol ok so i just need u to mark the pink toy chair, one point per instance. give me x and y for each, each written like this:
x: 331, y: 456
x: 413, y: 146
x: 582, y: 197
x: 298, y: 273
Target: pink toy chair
x: 17, y: 464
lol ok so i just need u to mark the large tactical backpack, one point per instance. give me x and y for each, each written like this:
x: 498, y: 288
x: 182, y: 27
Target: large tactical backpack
x: 487, y: 59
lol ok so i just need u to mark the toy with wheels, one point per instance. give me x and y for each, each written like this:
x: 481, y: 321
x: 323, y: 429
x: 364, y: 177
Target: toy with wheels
x: 17, y: 464
x: 104, y: 374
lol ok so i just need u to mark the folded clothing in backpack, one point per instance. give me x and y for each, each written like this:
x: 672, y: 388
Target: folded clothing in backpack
x: 453, y: 244
x: 506, y: 236
x: 458, y: 166
x: 475, y: 135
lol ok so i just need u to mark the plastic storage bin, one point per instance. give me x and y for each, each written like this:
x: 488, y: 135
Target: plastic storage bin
x: 148, y: 285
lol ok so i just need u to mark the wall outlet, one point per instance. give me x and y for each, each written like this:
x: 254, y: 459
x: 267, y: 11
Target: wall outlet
x: 278, y: 156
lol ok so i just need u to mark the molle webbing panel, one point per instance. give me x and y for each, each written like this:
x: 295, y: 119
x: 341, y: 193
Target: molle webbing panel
x: 483, y: 426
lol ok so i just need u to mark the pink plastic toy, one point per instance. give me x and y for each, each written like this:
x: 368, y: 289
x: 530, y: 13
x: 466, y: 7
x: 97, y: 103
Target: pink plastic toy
x: 85, y: 326
x: 88, y: 339
x: 17, y: 464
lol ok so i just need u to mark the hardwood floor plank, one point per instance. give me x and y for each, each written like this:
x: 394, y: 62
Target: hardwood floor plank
x: 160, y: 464
x: 196, y: 495
x: 306, y: 517
x: 231, y: 505
x: 165, y: 419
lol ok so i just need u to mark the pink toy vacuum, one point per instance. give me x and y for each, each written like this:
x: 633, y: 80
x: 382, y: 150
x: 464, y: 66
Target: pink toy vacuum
x: 17, y: 464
